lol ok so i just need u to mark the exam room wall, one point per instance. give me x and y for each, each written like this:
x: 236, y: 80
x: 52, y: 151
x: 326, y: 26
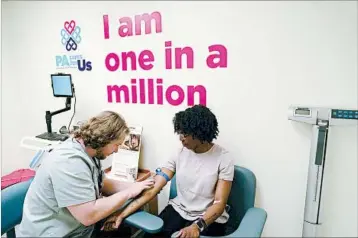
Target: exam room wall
x: 280, y: 53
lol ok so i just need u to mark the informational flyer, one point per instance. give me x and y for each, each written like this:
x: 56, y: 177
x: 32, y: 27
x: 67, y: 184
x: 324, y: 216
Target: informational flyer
x: 126, y: 161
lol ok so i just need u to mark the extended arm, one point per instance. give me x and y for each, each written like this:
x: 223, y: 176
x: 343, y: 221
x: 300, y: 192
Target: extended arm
x: 91, y: 212
x: 94, y: 211
x: 111, y: 186
x: 147, y: 195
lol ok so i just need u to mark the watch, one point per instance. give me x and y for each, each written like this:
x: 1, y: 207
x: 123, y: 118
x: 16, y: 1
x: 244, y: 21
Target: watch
x: 201, y: 224
x: 158, y: 171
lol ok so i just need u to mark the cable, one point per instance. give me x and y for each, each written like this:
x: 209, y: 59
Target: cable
x: 74, y: 111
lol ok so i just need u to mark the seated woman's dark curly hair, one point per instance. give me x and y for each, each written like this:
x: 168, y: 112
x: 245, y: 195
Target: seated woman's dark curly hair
x: 197, y: 121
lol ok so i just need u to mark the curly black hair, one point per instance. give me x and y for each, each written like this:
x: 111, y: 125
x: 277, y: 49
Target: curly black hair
x: 197, y: 121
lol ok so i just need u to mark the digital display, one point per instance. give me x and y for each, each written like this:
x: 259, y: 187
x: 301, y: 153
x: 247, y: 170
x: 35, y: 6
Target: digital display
x: 344, y: 114
x: 62, y: 85
x: 302, y: 111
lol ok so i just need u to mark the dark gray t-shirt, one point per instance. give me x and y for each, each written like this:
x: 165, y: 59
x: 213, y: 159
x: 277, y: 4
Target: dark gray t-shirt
x: 66, y: 177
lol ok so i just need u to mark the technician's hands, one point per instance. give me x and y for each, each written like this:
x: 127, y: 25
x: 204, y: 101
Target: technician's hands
x: 135, y: 189
x: 113, y: 222
x: 191, y: 231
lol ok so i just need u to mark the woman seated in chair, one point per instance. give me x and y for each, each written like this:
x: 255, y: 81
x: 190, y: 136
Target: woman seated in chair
x: 204, y: 173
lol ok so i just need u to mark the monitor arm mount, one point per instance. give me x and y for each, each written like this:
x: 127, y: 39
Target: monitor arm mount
x: 49, y: 114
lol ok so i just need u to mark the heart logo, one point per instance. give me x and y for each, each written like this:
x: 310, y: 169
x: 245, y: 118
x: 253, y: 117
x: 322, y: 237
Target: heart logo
x: 71, y: 45
x: 70, y: 26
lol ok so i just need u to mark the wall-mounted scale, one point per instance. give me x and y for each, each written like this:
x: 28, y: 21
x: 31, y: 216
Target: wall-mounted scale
x: 321, y: 119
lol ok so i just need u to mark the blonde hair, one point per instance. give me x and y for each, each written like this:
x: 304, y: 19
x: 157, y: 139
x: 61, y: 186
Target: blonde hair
x: 102, y: 129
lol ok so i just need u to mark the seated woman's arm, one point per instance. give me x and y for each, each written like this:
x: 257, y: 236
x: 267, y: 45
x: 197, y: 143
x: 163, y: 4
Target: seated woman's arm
x: 147, y: 195
x: 111, y: 186
x: 222, y: 193
x: 91, y: 212
x: 115, y: 220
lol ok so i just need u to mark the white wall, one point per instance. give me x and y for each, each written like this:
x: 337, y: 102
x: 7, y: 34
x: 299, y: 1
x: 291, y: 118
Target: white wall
x: 279, y: 53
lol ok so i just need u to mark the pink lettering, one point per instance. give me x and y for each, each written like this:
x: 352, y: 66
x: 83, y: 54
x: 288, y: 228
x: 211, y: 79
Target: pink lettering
x: 146, y: 56
x: 196, y: 89
x: 134, y: 90
x: 188, y: 51
x: 220, y: 58
x: 173, y: 94
x: 168, y: 55
x: 105, y: 27
x: 169, y: 96
x: 125, y: 56
x: 117, y: 90
x: 179, y: 52
x: 159, y: 91
x: 150, y: 91
x: 126, y: 24
x: 156, y: 16
x: 141, y: 91
x: 127, y: 28
x: 114, y: 57
x: 145, y: 61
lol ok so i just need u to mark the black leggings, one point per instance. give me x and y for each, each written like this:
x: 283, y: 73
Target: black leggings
x: 174, y: 222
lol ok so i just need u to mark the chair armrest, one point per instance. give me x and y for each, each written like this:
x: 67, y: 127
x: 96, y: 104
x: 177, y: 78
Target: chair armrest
x: 252, y: 223
x: 145, y: 221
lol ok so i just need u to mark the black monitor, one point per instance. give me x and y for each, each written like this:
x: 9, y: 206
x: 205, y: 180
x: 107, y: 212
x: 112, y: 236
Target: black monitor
x: 62, y: 85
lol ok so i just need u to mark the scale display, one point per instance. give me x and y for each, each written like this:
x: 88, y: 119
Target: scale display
x: 321, y: 119
x: 344, y: 114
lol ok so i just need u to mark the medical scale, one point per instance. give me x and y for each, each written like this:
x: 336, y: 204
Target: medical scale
x: 321, y: 120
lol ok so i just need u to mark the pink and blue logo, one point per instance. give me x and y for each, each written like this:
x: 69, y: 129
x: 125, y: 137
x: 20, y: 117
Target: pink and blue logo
x: 70, y: 39
x: 71, y: 35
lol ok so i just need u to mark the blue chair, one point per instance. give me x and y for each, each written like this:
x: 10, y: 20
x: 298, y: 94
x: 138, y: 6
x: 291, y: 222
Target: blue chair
x: 12, y: 201
x: 245, y: 219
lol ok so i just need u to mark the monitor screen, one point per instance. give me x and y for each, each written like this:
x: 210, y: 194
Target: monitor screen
x: 62, y: 85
